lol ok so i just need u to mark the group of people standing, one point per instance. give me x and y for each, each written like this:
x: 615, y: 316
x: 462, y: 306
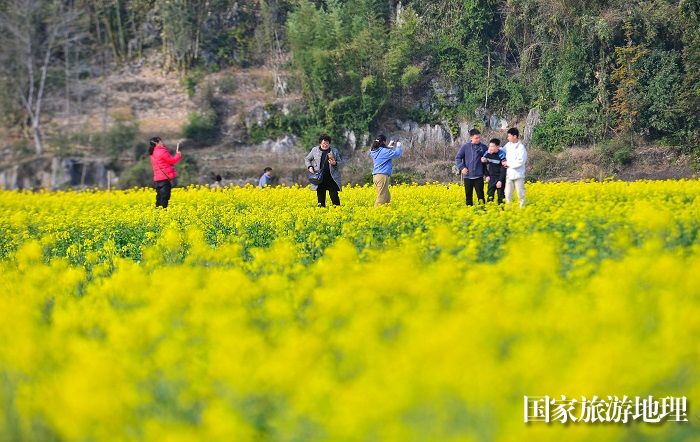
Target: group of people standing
x: 502, y: 168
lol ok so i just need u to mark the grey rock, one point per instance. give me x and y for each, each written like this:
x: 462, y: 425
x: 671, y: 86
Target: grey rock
x: 464, y: 128
x: 482, y: 115
x: 350, y: 139
x: 531, y: 122
x: 407, y: 126
x: 431, y: 135
x: 256, y: 117
x: 450, y: 93
x: 495, y: 122
x: 422, y: 135
x: 281, y: 145
x: 56, y: 173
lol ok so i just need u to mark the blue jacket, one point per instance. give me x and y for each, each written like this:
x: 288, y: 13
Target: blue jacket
x: 469, y: 156
x: 383, y: 157
x: 264, y: 181
x: 501, y: 153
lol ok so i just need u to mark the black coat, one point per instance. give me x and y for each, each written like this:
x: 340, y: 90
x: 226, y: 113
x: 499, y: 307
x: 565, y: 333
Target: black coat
x: 494, y: 168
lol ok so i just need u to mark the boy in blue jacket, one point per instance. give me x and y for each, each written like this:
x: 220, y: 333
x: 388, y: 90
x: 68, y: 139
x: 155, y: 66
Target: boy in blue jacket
x: 495, y: 171
x: 382, y: 156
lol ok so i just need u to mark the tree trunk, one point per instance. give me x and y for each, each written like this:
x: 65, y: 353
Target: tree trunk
x: 120, y: 29
x: 66, y: 74
x: 36, y: 134
x: 488, y: 77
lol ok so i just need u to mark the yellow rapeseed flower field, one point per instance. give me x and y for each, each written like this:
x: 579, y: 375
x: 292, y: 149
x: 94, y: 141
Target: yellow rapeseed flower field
x: 249, y: 314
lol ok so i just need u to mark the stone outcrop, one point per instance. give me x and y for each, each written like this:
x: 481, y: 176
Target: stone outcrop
x: 56, y: 173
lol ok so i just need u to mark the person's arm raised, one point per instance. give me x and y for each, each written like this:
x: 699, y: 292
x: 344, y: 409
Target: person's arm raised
x: 173, y: 159
x: 398, y: 151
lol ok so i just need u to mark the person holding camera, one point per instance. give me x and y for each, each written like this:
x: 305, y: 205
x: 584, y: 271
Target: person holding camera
x: 164, y: 174
x: 324, y: 175
x: 382, y: 156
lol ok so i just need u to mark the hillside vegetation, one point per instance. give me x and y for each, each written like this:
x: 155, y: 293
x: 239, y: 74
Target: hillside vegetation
x: 573, y: 72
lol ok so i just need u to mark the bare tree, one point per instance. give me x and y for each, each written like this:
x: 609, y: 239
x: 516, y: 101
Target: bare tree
x: 30, y: 33
x: 269, y: 11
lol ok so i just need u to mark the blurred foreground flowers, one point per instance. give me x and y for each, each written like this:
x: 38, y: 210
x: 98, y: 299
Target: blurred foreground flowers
x: 248, y: 314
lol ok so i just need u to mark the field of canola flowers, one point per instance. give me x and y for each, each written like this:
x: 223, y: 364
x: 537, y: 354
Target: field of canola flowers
x: 249, y: 314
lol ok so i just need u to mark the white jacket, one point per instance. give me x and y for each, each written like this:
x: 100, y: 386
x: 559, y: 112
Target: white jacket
x: 516, y: 156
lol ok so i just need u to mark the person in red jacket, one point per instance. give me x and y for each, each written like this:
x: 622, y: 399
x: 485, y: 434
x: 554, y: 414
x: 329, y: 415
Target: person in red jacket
x: 163, y: 171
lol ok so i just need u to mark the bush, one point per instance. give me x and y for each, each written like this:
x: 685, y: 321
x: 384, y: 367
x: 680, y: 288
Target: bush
x: 540, y: 164
x: 123, y: 135
x: 405, y: 177
x: 618, y: 151
x: 138, y: 175
x: 191, y: 79
x: 421, y: 116
x: 402, y: 177
x: 410, y: 76
x: 309, y: 136
x: 560, y: 129
x: 187, y: 171
x: 279, y: 124
x: 202, y: 127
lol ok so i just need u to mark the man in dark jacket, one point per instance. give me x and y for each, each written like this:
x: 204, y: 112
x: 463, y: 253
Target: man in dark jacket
x: 468, y: 161
x: 495, y: 171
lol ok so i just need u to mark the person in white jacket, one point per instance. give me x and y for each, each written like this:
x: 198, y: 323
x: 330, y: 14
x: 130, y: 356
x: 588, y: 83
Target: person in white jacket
x: 516, y: 159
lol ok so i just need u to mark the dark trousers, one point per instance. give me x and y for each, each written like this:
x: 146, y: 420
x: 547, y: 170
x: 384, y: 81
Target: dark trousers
x: 163, y: 189
x: 493, y: 189
x: 471, y: 185
x: 332, y: 188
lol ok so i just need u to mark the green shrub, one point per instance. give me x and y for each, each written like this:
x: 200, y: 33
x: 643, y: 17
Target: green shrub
x: 560, y: 128
x: 202, y: 127
x: 121, y: 136
x: 187, y: 171
x: 618, y: 151
x: 278, y: 124
x: 400, y: 177
x: 190, y: 80
x: 138, y: 175
x: 405, y: 177
x: 410, y: 76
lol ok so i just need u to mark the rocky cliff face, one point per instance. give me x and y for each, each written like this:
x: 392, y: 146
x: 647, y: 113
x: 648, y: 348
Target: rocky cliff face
x: 55, y: 173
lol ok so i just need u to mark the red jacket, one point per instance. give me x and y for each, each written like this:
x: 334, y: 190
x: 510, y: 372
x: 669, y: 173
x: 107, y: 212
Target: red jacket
x: 162, y: 163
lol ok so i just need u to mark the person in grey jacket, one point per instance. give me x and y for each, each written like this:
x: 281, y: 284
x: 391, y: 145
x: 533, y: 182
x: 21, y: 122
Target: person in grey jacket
x: 326, y: 159
x: 468, y: 161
